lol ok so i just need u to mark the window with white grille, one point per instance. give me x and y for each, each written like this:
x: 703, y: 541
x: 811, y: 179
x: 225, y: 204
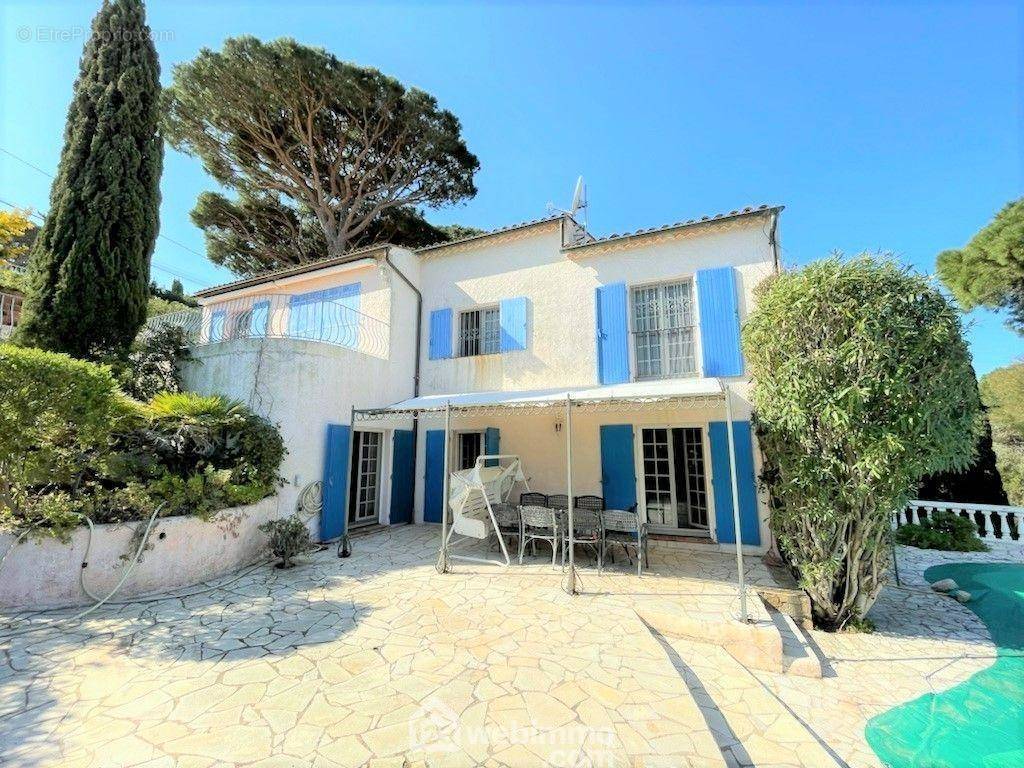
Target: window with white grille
x: 664, y: 334
x: 479, y: 332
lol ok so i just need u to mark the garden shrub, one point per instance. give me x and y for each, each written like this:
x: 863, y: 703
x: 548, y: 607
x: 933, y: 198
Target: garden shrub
x: 286, y: 538
x: 72, y: 444
x: 191, y: 432
x: 1002, y: 390
x: 942, y: 530
x: 57, y: 419
x: 862, y: 385
x: 153, y: 364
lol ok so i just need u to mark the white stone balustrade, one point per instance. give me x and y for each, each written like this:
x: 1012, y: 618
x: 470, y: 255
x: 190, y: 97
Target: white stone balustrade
x: 997, y: 524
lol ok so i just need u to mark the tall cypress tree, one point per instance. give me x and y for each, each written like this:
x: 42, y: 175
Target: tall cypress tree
x: 89, y: 266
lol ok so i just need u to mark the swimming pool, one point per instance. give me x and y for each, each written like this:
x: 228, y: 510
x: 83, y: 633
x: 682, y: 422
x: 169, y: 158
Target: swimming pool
x: 979, y: 722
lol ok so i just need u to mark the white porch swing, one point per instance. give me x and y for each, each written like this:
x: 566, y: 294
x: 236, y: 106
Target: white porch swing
x: 475, y: 494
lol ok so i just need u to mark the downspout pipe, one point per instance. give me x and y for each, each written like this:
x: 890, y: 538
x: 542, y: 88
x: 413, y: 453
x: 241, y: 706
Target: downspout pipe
x: 773, y: 240
x: 416, y: 368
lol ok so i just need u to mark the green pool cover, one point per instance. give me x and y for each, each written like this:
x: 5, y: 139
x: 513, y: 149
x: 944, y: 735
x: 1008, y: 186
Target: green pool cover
x: 981, y: 721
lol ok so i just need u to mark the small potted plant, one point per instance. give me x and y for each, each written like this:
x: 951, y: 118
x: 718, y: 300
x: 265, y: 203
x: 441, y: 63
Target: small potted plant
x: 286, y: 538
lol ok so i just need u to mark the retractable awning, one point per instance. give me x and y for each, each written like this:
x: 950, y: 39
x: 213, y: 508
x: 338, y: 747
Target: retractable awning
x: 698, y: 390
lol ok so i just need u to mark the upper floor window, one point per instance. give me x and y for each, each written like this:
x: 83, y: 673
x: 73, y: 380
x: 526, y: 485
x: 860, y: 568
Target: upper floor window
x: 664, y: 331
x: 479, y: 332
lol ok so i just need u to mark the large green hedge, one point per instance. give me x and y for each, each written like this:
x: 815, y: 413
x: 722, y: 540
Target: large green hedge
x: 862, y: 385
x: 72, y: 444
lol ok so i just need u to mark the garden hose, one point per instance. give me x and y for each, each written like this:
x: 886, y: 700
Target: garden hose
x: 127, y: 571
x: 85, y: 563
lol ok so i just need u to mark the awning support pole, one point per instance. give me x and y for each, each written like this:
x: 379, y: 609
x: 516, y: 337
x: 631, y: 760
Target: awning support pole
x: 345, y: 543
x: 442, y: 558
x: 735, y: 504
x: 570, y: 581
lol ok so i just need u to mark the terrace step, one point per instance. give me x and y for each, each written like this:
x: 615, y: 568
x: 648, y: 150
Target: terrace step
x: 757, y: 644
x: 798, y: 658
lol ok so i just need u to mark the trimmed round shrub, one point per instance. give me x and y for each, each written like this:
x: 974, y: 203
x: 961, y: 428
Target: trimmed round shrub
x: 58, y: 417
x: 862, y: 385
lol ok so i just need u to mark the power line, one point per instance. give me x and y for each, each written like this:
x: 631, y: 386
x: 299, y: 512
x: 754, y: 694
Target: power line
x: 155, y: 264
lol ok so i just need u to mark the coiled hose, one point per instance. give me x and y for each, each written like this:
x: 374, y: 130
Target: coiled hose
x: 99, y: 601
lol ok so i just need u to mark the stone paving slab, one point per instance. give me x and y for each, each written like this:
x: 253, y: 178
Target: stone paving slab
x: 379, y: 660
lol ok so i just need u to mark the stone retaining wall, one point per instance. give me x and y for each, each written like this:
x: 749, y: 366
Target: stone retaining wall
x: 182, y: 551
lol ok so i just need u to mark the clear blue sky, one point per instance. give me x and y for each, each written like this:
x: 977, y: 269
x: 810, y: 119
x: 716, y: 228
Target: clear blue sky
x: 880, y: 126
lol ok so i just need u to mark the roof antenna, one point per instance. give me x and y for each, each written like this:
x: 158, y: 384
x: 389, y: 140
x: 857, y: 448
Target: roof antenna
x: 579, y: 203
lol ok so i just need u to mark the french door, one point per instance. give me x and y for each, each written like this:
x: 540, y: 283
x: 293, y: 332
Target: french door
x: 675, y: 484
x: 364, y: 494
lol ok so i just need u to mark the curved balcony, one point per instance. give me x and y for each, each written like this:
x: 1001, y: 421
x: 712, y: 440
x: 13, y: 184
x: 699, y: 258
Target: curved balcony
x: 281, y: 316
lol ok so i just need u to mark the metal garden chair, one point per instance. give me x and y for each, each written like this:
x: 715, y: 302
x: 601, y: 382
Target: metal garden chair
x: 586, y: 530
x: 558, y: 501
x: 589, y: 502
x: 533, y: 499
x: 510, y: 522
x: 625, y: 529
x: 540, y: 524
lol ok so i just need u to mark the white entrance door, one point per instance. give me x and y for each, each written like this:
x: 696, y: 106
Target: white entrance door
x: 659, y: 494
x: 364, y: 497
x: 675, y: 487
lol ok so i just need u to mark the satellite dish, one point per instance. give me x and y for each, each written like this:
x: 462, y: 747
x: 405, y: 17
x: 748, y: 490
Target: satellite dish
x: 579, y: 196
x: 579, y: 203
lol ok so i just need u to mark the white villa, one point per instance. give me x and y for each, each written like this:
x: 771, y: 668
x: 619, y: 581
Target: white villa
x: 361, y: 354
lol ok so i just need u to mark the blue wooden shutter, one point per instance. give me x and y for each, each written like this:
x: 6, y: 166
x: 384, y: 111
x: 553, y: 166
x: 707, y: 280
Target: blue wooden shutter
x: 719, y: 322
x: 260, y: 318
x: 512, y: 314
x: 329, y: 315
x: 402, y: 479
x: 618, y: 473
x: 335, y: 482
x: 433, y: 480
x: 217, y: 321
x: 342, y: 320
x: 750, y: 526
x: 492, y: 445
x: 612, y: 334
x: 305, y: 317
x: 440, y: 335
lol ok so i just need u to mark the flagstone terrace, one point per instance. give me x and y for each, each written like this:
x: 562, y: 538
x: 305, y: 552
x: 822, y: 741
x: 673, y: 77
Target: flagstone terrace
x: 379, y: 660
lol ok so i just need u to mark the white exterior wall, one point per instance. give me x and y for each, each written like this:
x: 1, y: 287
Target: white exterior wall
x: 533, y: 438
x: 560, y: 290
x: 305, y: 385
x: 562, y: 336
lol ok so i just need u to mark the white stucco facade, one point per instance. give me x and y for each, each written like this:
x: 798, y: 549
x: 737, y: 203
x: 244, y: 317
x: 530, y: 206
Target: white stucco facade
x: 306, y: 385
x: 559, y: 287
x: 302, y: 385
x: 561, y: 348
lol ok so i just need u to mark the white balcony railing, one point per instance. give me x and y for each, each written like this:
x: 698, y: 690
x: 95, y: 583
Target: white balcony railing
x: 281, y: 316
x: 10, y: 313
x: 996, y: 524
